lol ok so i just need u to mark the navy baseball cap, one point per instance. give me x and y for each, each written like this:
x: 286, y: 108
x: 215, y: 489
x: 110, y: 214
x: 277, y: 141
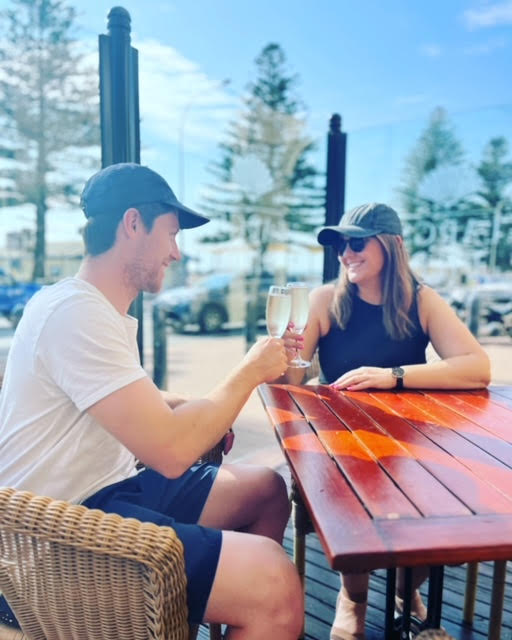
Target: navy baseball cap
x: 362, y: 222
x: 118, y: 187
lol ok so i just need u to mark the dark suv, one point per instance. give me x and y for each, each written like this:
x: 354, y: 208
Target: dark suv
x: 214, y: 302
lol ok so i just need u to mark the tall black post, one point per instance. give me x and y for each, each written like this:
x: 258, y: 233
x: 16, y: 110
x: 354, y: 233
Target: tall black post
x: 119, y: 109
x: 334, y: 189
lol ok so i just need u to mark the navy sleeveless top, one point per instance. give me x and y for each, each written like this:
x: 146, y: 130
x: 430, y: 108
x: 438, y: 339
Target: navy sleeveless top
x: 365, y: 343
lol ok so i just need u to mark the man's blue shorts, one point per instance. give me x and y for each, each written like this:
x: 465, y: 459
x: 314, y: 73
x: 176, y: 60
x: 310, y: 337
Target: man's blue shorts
x: 177, y: 503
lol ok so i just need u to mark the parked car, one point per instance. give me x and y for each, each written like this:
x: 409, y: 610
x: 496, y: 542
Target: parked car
x: 486, y: 307
x: 14, y: 296
x: 214, y: 302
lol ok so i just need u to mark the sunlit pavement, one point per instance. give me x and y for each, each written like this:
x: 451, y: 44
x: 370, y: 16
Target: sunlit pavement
x: 196, y: 363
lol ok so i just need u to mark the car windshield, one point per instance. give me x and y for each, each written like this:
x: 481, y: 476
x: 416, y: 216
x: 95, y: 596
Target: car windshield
x: 216, y: 281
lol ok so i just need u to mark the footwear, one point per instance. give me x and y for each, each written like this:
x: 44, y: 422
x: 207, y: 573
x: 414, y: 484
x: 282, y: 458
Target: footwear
x: 418, y: 614
x: 418, y: 608
x: 416, y: 626
x: 349, y: 619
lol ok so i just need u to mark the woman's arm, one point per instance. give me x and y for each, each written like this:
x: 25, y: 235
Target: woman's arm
x: 318, y: 323
x: 463, y: 365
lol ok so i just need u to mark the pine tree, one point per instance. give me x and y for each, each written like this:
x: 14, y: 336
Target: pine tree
x: 48, y: 106
x: 430, y: 193
x: 437, y: 147
x: 495, y: 171
x: 264, y: 183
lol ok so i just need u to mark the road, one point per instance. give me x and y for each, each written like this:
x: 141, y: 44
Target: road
x: 196, y: 363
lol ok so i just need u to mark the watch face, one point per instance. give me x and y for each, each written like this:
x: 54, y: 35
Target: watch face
x: 398, y: 372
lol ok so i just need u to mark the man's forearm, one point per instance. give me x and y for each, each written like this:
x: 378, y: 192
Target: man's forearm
x: 209, y: 418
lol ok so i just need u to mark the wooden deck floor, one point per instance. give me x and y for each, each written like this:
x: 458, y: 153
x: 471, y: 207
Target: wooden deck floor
x: 322, y: 586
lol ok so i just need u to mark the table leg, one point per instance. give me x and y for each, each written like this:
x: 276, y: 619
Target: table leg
x: 435, y: 597
x: 389, y: 632
x: 470, y: 593
x: 406, y: 614
x: 301, y: 526
x: 498, y: 595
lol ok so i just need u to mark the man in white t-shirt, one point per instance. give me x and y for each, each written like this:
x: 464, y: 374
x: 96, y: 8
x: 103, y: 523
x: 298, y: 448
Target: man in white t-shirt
x: 77, y: 410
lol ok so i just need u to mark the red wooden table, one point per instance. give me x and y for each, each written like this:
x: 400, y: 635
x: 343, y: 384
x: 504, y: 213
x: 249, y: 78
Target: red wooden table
x: 405, y: 478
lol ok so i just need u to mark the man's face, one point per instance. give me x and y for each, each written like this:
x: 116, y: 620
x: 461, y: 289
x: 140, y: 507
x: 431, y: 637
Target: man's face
x: 155, y: 250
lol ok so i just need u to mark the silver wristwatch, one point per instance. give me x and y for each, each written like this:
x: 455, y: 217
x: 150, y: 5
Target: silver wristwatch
x: 398, y: 373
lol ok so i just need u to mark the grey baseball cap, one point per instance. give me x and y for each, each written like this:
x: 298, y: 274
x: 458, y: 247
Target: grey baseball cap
x: 362, y: 222
x: 118, y: 187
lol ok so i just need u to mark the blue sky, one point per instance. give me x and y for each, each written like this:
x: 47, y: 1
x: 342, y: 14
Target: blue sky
x: 384, y: 66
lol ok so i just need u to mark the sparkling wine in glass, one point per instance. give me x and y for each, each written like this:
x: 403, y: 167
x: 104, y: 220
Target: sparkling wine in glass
x: 278, y: 310
x: 299, y: 316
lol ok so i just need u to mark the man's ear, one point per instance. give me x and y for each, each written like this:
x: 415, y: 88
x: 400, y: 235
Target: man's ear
x: 131, y: 221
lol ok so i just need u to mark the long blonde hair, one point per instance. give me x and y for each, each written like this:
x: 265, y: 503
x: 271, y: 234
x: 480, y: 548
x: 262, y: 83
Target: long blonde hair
x: 398, y: 284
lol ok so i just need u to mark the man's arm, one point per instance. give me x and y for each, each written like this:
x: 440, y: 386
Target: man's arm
x: 170, y: 440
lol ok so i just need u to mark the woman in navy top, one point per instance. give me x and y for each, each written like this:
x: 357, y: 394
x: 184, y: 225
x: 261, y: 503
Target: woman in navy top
x: 371, y: 328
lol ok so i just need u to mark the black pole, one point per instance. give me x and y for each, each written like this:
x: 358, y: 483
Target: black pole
x: 119, y: 110
x: 334, y: 189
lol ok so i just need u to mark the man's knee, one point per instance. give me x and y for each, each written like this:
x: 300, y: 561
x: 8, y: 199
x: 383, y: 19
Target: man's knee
x: 278, y: 592
x: 272, y: 485
x: 256, y: 584
x: 283, y: 598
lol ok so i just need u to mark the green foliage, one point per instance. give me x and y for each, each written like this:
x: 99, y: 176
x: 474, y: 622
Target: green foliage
x: 495, y: 171
x: 437, y: 147
x: 48, y: 106
x: 264, y: 183
x: 447, y: 202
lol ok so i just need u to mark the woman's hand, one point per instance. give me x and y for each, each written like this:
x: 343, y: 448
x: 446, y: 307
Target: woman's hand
x: 366, y: 378
x: 293, y: 342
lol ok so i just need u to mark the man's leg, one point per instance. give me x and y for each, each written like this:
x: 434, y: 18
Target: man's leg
x: 248, y: 498
x: 256, y: 591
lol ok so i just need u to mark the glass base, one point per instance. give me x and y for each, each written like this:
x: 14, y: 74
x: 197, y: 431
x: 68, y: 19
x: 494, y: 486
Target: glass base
x: 299, y: 364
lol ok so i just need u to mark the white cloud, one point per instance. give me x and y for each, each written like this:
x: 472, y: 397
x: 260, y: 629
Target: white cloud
x: 175, y: 92
x: 431, y: 50
x: 489, y: 16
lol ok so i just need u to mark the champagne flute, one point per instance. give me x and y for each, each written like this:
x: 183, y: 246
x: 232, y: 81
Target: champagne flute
x: 299, y: 316
x: 278, y: 310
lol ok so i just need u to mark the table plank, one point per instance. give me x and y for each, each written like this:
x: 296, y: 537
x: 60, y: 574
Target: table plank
x: 336, y: 512
x: 489, y: 416
x: 488, y: 478
x: 402, y: 469
x: 475, y: 494
x: 448, y: 540
x: 501, y: 394
x: 376, y: 490
x: 424, y: 446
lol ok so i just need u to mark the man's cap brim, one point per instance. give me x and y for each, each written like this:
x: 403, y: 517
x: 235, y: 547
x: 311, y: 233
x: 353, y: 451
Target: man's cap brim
x: 188, y: 219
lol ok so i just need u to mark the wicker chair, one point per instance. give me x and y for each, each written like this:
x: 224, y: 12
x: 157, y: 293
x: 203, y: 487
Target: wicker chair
x: 72, y: 572
x: 99, y: 576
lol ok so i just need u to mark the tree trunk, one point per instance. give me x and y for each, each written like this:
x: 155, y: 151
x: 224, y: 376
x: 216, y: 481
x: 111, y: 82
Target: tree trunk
x: 41, y: 189
x: 40, y: 244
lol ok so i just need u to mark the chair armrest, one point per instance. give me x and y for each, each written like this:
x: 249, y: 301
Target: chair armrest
x: 69, y: 571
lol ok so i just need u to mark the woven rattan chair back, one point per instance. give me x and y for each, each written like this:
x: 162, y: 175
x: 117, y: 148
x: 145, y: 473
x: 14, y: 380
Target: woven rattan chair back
x: 72, y: 572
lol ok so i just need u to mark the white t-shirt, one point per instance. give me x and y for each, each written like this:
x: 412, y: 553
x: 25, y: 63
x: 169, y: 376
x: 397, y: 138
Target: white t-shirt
x: 71, y: 349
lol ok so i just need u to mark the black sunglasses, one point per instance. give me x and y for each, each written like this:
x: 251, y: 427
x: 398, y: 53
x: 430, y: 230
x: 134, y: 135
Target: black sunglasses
x: 355, y: 244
